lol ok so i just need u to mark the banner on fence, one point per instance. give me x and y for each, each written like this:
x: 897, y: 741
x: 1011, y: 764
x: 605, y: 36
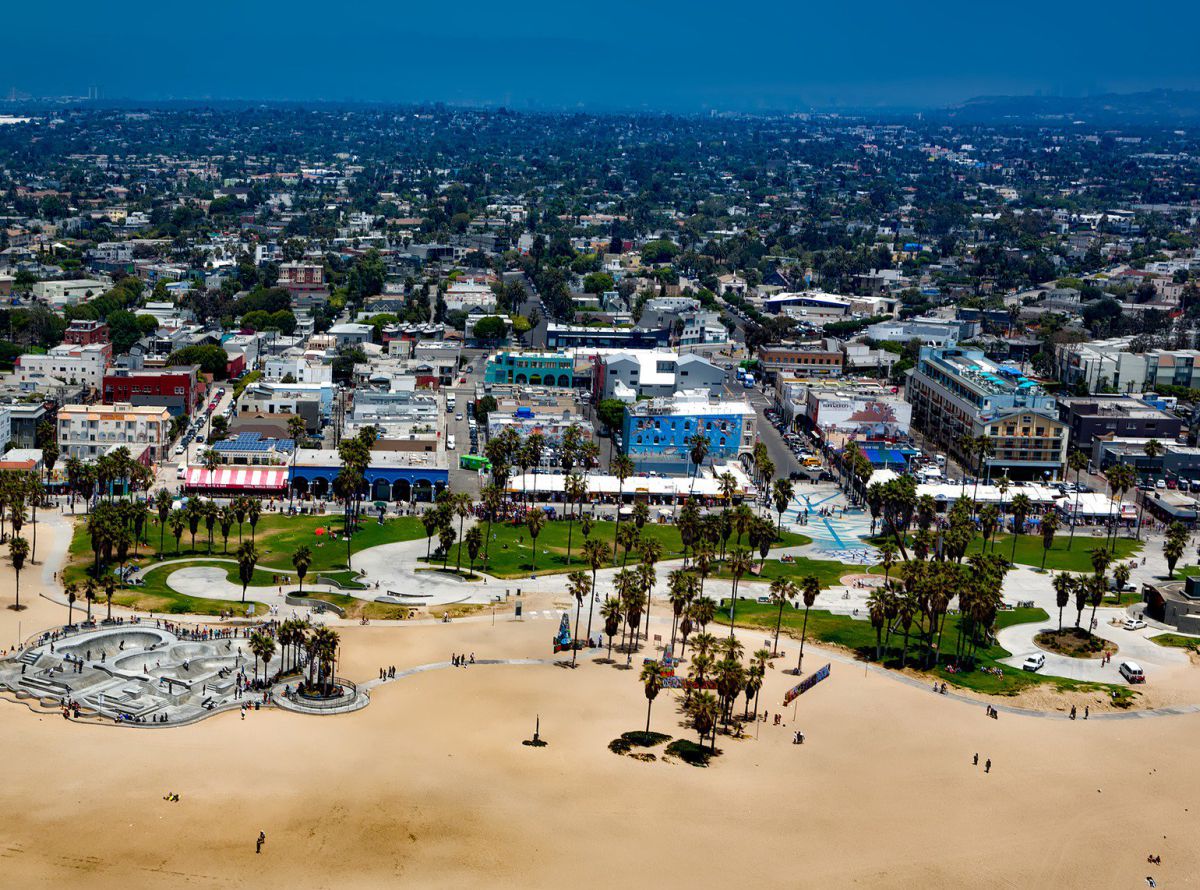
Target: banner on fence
x: 806, y: 684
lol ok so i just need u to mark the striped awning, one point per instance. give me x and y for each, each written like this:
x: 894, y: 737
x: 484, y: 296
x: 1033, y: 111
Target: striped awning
x: 244, y: 478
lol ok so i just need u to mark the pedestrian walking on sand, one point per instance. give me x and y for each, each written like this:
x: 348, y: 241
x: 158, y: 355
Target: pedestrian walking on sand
x: 1086, y: 708
x: 975, y: 761
x: 262, y: 839
x: 987, y: 767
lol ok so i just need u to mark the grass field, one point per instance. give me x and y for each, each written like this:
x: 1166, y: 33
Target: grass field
x: 859, y: 637
x: 1029, y: 550
x: 511, y: 555
x: 829, y: 572
x: 1177, y: 641
x: 277, y: 537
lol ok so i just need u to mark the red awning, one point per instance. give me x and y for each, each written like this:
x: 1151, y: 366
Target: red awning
x: 247, y: 478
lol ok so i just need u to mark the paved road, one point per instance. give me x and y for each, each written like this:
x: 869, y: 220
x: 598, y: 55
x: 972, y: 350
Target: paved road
x: 782, y: 456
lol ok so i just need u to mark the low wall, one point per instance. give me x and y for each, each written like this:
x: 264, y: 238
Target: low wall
x: 316, y: 605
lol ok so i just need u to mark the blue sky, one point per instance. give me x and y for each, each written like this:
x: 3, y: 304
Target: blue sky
x: 664, y: 55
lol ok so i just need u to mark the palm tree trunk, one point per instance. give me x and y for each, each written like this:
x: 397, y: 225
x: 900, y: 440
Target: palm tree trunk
x: 803, y: 635
x: 574, y: 647
x: 649, y: 703
x: 778, y: 624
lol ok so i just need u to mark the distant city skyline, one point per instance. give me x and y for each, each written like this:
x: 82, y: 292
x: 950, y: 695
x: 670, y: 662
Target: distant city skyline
x: 668, y: 57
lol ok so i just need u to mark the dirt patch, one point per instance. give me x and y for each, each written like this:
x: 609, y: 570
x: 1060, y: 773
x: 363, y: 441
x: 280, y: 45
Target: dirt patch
x: 1075, y: 642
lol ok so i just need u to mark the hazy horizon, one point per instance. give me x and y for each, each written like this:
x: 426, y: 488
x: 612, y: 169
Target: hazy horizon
x: 672, y: 57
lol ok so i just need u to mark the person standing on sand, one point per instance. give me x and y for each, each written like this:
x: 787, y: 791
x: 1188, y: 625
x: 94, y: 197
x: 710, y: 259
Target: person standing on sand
x: 975, y: 761
x: 262, y: 839
x: 987, y: 767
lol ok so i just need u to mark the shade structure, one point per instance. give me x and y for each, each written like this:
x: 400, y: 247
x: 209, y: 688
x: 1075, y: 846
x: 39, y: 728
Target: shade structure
x: 266, y: 479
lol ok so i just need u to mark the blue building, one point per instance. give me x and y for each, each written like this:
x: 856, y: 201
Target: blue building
x: 655, y: 433
x: 549, y: 369
x: 391, y: 476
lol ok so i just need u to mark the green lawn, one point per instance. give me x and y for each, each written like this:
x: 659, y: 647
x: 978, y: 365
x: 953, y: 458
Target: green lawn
x: 1177, y: 641
x: 277, y: 537
x: 829, y: 572
x: 156, y: 596
x: 1029, y: 550
x: 511, y: 555
x: 859, y: 636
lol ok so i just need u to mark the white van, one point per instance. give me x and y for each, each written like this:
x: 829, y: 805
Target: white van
x: 1131, y: 672
x: 450, y: 442
x: 181, y: 471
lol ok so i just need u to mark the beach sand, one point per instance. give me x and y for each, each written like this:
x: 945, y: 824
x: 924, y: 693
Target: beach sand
x: 431, y: 786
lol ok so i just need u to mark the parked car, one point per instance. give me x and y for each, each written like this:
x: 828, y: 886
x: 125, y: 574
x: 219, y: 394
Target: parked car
x: 1034, y: 662
x: 1132, y: 672
x: 1134, y: 624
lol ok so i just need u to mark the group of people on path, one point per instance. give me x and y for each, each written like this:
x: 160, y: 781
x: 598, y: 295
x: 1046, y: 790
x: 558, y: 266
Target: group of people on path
x: 387, y: 673
x: 461, y: 660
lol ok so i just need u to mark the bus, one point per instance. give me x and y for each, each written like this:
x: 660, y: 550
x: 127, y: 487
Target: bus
x: 475, y: 462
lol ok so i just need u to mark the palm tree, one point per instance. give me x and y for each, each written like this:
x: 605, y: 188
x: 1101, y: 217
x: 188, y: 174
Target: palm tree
x: 226, y: 519
x: 575, y: 488
x: 738, y: 564
x: 596, y: 555
x: 211, y: 512
x: 966, y: 449
x: 110, y: 587
x: 1121, y: 574
x: 258, y: 645
x: 193, y: 512
x: 534, y: 523
x: 810, y: 588
x: 681, y: 585
x: 783, y: 591
x: 622, y: 468
x: 610, y: 611
x: 247, y: 558
x: 782, y: 492
x: 984, y: 449
x: 1153, y: 449
x: 71, y: 589
x: 1120, y: 478
x: 626, y: 588
x: 162, y: 505
x: 301, y: 560
x: 1021, y: 505
x: 578, y: 587
x: 254, y: 511
x: 697, y: 445
x: 889, y: 555
x: 906, y: 609
x: 877, y: 608
x: 1062, y: 593
x: 705, y: 712
x: 89, y: 595
x: 18, y: 552
x: 1077, y: 461
x: 650, y: 550
x: 1049, y: 526
x: 474, y: 545
x: 177, y: 521
x: 651, y: 679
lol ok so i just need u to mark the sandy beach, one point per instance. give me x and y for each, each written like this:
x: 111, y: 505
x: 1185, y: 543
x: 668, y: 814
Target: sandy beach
x: 430, y: 784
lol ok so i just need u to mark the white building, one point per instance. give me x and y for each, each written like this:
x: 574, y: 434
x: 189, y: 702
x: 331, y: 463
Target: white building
x: 467, y: 295
x: 69, y: 292
x: 75, y: 365
x: 301, y: 369
x: 88, y: 431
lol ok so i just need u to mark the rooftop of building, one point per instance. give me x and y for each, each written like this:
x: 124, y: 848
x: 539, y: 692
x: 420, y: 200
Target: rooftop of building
x: 1113, y: 406
x: 981, y: 373
x: 689, y: 402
